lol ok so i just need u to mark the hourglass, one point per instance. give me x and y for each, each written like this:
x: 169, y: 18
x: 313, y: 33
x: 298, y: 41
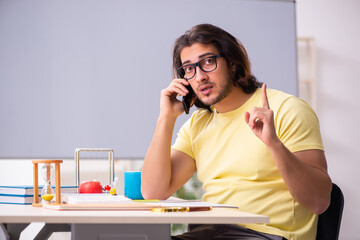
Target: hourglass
x: 47, y: 172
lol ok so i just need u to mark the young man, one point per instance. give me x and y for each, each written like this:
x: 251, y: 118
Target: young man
x: 256, y: 148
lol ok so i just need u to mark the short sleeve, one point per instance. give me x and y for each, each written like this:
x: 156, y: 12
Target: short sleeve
x: 297, y: 125
x: 183, y: 140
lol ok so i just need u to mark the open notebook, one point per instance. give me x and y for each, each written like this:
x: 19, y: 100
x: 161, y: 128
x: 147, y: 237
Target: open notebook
x: 94, y: 198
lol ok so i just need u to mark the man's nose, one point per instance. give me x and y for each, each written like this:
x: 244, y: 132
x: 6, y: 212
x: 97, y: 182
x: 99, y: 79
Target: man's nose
x: 200, y: 75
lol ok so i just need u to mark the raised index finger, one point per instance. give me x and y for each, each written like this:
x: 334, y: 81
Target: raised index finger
x: 264, y: 97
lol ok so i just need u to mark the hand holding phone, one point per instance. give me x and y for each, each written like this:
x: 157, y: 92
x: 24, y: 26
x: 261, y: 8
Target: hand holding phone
x: 186, y: 100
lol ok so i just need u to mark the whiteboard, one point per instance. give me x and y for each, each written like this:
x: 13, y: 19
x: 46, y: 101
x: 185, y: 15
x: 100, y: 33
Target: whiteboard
x: 88, y: 73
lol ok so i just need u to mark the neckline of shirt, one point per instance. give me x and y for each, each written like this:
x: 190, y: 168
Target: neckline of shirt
x: 240, y: 109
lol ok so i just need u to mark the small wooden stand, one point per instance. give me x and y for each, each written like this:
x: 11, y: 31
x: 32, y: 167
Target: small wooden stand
x: 36, y: 180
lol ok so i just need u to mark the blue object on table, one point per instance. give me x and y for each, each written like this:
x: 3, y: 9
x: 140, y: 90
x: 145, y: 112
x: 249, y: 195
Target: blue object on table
x: 132, y: 185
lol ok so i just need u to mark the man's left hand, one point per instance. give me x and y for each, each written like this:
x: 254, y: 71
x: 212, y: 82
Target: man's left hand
x: 261, y: 121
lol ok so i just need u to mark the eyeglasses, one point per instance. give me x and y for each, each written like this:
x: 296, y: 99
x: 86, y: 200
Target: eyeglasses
x: 207, y: 64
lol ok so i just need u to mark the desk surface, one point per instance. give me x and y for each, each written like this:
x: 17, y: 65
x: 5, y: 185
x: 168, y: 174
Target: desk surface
x: 26, y: 214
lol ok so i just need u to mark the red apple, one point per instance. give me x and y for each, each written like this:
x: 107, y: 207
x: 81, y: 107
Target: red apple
x: 90, y: 187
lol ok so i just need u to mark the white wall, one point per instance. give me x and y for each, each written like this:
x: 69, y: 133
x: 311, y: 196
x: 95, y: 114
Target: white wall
x: 335, y: 25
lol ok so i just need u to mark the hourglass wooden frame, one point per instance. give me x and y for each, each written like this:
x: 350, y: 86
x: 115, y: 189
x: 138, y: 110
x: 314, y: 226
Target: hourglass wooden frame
x: 36, y: 180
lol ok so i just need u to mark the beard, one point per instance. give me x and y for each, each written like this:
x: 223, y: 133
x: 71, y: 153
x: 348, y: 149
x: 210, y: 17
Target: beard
x: 224, y: 91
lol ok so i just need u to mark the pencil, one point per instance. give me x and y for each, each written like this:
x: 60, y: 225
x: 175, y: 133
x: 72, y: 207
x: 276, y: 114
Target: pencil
x: 181, y: 209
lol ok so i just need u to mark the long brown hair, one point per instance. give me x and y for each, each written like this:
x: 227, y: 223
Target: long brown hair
x: 228, y: 46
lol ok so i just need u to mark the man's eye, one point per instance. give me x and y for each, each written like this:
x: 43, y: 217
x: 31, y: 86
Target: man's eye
x: 188, y: 69
x: 209, y: 61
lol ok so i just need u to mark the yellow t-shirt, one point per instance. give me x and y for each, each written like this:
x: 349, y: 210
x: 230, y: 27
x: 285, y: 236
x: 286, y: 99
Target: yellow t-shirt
x: 236, y: 167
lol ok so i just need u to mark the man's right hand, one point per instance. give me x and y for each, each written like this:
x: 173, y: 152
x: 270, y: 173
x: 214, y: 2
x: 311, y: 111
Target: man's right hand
x: 169, y: 104
x: 165, y: 170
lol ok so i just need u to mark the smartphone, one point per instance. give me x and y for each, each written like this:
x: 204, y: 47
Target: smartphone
x: 186, y: 100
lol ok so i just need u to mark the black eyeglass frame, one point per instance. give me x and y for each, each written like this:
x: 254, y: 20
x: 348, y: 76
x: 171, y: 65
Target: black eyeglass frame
x: 197, y: 64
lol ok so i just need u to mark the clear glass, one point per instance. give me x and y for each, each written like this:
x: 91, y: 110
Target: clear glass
x: 47, y: 172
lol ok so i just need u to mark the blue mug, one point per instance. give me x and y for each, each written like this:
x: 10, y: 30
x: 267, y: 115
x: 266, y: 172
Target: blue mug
x: 132, y: 185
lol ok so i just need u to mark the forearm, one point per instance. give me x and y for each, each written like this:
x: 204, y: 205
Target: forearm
x: 310, y: 185
x: 156, y: 171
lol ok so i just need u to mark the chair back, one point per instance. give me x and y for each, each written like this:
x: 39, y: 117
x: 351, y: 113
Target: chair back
x: 329, y: 221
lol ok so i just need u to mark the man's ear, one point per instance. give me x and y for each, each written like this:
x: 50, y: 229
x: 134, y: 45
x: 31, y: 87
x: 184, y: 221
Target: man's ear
x: 232, y: 67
